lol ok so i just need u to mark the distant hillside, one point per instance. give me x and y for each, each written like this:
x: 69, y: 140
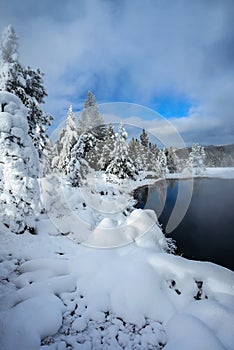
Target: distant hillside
x: 216, y: 156
x: 222, y: 156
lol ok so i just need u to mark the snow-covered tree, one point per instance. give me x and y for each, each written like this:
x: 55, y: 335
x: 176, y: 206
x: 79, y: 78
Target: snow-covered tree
x: 78, y: 167
x: 25, y: 83
x: 67, y: 140
x: 172, y: 160
x: 11, y: 72
x: 19, y: 195
x: 90, y: 119
x: 161, y: 163
x: 108, y: 148
x: 151, y: 156
x: 92, y: 122
x: 197, y: 158
x: 144, y: 157
x: 38, y: 120
x: 48, y: 158
x: 9, y: 45
x: 133, y: 148
x: 121, y: 165
x: 137, y: 154
x: 144, y: 139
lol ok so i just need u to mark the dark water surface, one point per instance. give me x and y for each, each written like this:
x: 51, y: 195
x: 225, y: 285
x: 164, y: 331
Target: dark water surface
x: 207, y: 231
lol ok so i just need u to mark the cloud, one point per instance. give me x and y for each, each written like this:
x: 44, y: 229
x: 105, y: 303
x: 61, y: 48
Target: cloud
x: 134, y: 51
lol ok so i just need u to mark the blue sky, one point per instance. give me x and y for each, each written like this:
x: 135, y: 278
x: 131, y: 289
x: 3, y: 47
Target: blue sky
x: 175, y: 57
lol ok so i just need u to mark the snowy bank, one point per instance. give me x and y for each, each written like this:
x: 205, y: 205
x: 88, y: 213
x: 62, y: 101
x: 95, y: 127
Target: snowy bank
x: 65, y: 291
x: 222, y: 173
x: 56, y: 294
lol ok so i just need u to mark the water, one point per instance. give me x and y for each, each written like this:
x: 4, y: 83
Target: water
x: 206, y: 232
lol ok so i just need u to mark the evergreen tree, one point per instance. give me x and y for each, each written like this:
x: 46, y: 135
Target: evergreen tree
x: 137, y: 154
x: 161, y: 164
x: 197, y: 158
x: 90, y: 118
x: 121, y: 165
x: 144, y: 157
x: 78, y: 167
x: 19, y: 195
x: 11, y: 72
x: 68, y: 138
x: 172, y: 160
x: 37, y: 119
x: 25, y: 83
x: 92, y: 122
x: 143, y: 152
x: 9, y: 45
x: 108, y: 148
x: 54, y: 154
x: 153, y: 149
x: 133, y: 149
x: 144, y: 139
x: 152, y: 156
x: 47, y: 159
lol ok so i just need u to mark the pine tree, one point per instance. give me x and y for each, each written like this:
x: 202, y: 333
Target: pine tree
x: 136, y: 153
x: 19, y: 195
x: 144, y: 139
x: 9, y: 45
x: 47, y: 159
x: 121, y: 165
x: 67, y: 140
x: 78, y: 167
x: 133, y: 149
x: 153, y: 148
x: 161, y: 164
x: 25, y: 83
x: 152, y: 156
x: 144, y: 152
x: 90, y: 118
x: 197, y: 158
x: 108, y: 148
x: 11, y: 72
x: 144, y: 157
x: 172, y: 160
x: 54, y: 154
x: 37, y: 119
x: 92, y: 122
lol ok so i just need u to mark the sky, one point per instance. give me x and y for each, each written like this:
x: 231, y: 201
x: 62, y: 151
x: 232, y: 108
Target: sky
x: 175, y: 57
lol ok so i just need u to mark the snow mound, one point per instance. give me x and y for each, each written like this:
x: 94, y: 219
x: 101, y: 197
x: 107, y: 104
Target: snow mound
x: 140, y: 227
x: 66, y: 295
x: 23, y: 326
x: 187, y: 332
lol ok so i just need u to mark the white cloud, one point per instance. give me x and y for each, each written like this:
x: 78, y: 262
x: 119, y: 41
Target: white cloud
x: 134, y: 50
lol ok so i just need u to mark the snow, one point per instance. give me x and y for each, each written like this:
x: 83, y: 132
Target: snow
x: 211, y: 313
x: 188, y: 332
x: 19, y: 195
x: 108, y: 281
x: 133, y: 296
x: 67, y: 140
x: 222, y: 173
x: 24, y: 325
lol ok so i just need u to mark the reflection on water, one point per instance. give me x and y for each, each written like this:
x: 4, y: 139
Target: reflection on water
x: 207, y: 230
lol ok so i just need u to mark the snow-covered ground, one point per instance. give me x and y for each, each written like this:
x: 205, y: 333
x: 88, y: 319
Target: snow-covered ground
x: 224, y: 173
x: 65, y: 291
